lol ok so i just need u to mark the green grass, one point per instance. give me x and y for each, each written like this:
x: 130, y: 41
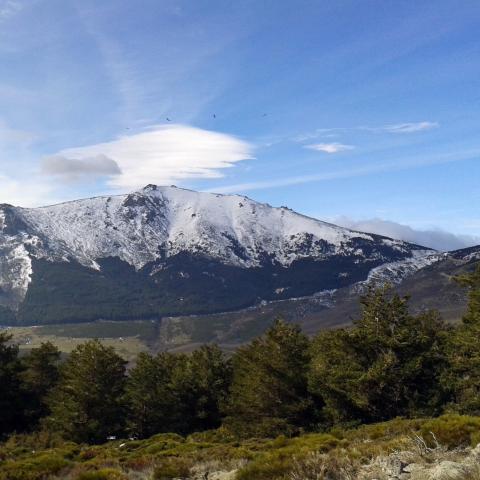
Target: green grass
x: 146, y: 330
x: 129, y: 338
x: 168, y: 456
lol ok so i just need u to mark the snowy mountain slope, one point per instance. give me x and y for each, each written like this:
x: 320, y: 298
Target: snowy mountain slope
x: 170, y: 236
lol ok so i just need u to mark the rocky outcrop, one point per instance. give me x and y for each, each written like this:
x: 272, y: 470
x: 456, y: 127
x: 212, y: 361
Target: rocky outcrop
x: 425, y: 464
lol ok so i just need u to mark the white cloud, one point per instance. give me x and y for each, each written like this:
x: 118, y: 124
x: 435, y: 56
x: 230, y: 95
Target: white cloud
x: 165, y: 154
x: 330, y: 147
x: 409, y: 127
x: 72, y: 169
x: 434, y: 238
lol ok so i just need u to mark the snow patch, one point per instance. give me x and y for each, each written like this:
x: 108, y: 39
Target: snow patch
x: 395, y: 272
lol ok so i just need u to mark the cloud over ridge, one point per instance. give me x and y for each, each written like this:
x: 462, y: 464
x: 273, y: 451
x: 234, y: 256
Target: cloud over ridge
x: 434, y: 238
x: 162, y: 154
x: 75, y: 168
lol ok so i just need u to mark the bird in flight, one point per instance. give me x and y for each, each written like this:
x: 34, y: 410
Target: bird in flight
x: 168, y: 120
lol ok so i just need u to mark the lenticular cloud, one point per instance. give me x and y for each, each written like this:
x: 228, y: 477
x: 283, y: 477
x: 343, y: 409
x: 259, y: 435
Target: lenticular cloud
x: 164, y: 154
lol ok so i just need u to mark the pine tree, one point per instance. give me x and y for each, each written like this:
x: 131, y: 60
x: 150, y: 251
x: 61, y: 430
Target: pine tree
x: 88, y: 403
x: 176, y: 392
x: 389, y: 364
x: 463, y: 377
x: 151, y: 397
x: 11, y: 399
x: 40, y: 374
x: 210, y: 374
x: 269, y: 387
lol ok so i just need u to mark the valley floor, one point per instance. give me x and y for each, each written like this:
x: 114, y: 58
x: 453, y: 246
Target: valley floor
x: 177, y: 334
x: 440, y: 449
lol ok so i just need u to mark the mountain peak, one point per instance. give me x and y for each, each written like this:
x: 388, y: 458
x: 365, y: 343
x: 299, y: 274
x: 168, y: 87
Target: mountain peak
x: 157, y: 227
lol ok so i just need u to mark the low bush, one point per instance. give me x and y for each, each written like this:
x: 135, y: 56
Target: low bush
x: 172, y: 467
x: 102, y: 474
x: 452, y: 430
x: 277, y: 460
x: 35, y: 467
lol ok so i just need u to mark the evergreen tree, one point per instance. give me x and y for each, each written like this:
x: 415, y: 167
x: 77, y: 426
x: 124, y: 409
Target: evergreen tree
x: 463, y: 377
x: 40, y: 374
x: 87, y: 405
x: 389, y: 364
x: 269, y: 387
x: 176, y: 392
x: 153, y: 406
x: 11, y: 401
x: 211, y: 374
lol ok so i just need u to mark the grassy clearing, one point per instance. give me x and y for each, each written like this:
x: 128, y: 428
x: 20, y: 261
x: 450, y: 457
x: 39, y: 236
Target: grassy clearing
x: 131, y: 337
x: 339, y: 454
x: 182, y: 333
x: 128, y: 338
x: 146, y: 330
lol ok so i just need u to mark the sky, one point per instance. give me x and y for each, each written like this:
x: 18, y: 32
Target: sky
x: 361, y: 113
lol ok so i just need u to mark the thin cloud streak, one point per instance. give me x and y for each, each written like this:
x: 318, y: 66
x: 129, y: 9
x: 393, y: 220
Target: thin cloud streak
x: 396, y: 128
x: 410, y: 127
x: 330, y: 147
x: 351, y: 173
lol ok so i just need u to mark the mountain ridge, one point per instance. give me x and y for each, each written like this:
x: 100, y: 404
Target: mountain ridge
x: 186, y: 244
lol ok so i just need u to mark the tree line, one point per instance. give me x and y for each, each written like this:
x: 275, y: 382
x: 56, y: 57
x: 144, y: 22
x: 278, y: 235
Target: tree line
x: 389, y: 363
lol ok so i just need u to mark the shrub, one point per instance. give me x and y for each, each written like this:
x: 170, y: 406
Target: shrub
x: 172, y: 467
x: 319, y: 466
x: 37, y: 467
x: 452, y: 430
x: 267, y: 467
x: 392, y: 428
x: 220, y: 435
x: 278, y: 460
x: 103, y: 474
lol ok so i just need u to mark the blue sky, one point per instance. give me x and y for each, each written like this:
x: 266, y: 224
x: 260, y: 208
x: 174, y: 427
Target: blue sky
x: 344, y: 110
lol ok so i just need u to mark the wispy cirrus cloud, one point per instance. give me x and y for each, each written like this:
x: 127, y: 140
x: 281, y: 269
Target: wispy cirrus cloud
x: 330, y: 147
x: 408, y: 127
x: 396, y: 165
x: 163, y: 154
x: 400, y: 128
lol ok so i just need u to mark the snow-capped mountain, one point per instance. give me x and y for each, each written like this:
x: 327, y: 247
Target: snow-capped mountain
x: 170, y: 250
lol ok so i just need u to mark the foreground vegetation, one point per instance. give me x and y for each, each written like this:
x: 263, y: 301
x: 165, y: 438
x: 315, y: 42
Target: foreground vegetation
x: 303, y: 397
x: 368, y: 452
